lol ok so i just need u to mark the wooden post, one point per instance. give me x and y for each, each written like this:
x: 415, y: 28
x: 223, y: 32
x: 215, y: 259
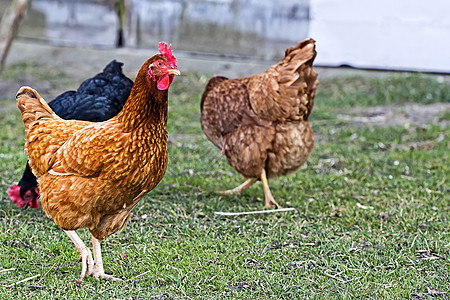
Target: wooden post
x: 8, y: 27
x: 120, y: 8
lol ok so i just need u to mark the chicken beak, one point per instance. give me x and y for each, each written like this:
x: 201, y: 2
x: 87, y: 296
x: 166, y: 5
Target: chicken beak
x: 174, y: 72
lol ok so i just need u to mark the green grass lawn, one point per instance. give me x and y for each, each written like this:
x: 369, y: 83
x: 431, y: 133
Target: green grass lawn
x: 371, y: 219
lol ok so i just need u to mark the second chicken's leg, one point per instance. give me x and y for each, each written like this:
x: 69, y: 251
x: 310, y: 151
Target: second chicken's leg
x: 99, y: 271
x: 87, y: 263
x: 270, y: 201
x: 240, y: 188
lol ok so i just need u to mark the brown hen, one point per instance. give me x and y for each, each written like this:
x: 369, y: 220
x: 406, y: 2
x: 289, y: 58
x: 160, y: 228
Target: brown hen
x: 91, y: 175
x: 261, y: 122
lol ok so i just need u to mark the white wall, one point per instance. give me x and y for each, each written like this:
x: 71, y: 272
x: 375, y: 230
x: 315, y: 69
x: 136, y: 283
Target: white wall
x: 381, y: 34
x: 385, y: 34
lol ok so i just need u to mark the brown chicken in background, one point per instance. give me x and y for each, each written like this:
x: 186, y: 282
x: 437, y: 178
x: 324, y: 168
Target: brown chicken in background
x: 91, y: 175
x: 261, y: 122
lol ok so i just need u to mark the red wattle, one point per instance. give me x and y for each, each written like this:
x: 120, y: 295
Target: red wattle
x: 163, y: 83
x: 34, y: 202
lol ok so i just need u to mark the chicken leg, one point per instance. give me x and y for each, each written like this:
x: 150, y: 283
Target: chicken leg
x: 98, y: 271
x: 87, y: 263
x: 240, y: 188
x: 270, y: 201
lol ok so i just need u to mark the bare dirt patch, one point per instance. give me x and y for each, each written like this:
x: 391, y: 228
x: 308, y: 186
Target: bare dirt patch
x: 409, y: 114
x: 9, y: 88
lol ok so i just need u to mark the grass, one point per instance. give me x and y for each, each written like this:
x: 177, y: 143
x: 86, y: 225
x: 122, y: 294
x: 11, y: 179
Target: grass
x: 371, y: 221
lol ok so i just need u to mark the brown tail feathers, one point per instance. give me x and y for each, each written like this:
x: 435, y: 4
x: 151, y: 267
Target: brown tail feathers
x: 32, y: 106
x: 305, y: 51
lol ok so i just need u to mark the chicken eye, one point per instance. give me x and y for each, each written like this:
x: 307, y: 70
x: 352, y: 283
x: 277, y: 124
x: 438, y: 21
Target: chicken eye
x: 159, y: 64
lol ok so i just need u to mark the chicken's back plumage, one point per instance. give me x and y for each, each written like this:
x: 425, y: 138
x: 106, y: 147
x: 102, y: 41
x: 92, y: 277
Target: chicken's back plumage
x: 261, y: 122
x: 98, y: 98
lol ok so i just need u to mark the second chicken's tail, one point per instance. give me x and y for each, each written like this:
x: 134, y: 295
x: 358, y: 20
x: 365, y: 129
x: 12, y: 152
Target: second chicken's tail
x: 298, y: 77
x: 33, y: 107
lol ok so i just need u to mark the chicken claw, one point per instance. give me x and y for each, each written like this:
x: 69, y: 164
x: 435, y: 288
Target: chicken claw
x: 99, y: 276
x: 87, y: 263
x: 90, y: 266
x: 99, y: 271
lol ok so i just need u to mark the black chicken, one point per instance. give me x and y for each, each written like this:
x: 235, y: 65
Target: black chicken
x: 97, y: 99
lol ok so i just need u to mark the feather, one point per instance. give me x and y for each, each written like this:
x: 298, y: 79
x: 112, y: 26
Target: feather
x: 88, y: 178
x: 260, y: 123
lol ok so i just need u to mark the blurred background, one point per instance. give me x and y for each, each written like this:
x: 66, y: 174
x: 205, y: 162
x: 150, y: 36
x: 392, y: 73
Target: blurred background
x: 410, y: 35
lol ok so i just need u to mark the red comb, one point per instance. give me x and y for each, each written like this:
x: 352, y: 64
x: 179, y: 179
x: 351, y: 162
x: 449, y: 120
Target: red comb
x: 14, y: 195
x: 29, y: 198
x: 167, y: 52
